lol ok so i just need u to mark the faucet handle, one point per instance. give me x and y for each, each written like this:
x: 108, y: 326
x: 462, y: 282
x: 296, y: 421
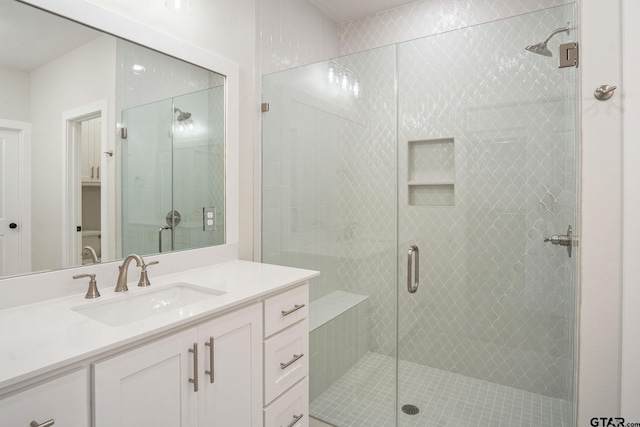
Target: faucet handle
x: 92, y: 292
x: 144, y: 277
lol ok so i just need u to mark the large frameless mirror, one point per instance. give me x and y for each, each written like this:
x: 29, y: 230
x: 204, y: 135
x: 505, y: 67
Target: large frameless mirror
x: 106, y: 147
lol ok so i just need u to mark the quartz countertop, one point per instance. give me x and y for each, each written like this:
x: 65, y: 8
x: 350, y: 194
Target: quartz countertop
x: 38, y: 338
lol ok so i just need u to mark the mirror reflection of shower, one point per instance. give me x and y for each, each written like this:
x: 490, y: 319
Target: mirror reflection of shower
x: 541, y: 48
x: 185, y: 123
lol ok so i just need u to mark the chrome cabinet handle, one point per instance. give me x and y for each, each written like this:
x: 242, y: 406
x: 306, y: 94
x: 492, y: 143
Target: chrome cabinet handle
x: 194, y: 380
x: 211, y: 370
x: 412, y: 286
x: 289, y: 363
x: 44, y: 424
x: 98, y: 175
x: 92, y: 172
x: 296, y: 418
x: 294, y: 309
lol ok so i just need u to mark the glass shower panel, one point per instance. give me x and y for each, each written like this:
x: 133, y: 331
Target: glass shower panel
x: 198, y: 169
x: 146, y: 177
x: 487, y: 170
x: 329, y: 204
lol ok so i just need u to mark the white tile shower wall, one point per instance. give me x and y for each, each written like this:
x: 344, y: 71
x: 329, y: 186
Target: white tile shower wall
x: 294, y: 33
x: 427, y: 17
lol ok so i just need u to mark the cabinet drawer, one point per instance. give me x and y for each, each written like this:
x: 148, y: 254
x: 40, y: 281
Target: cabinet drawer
x: 292, y: 405
x: 63, y: 400
x: 286, y: 360
x: 285, y: 309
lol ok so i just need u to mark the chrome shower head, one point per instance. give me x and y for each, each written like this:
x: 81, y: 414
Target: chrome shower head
x: 183, y: 115
x: 541, y: 48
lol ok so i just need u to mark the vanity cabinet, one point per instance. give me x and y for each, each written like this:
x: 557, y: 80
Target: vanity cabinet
x: 63, y: 400
x: 286, y: 359
x: 208, y: 375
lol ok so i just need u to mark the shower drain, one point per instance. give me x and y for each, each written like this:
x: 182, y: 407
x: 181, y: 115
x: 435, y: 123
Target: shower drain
x: 410, y: 409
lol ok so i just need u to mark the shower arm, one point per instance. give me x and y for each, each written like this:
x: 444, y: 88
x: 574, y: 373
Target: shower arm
x: 559, y: 30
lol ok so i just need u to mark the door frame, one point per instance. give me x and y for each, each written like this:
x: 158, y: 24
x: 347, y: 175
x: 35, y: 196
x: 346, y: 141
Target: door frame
x: 71, y: 184
x: 24, y: 188
x: 630, y: 376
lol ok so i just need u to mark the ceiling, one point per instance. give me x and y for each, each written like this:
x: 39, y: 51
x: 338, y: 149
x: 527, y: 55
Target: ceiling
x: 348, y: 10
x: 32, y: 37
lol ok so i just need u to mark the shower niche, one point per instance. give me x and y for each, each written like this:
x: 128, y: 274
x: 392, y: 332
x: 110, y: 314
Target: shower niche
x: 432, y: 173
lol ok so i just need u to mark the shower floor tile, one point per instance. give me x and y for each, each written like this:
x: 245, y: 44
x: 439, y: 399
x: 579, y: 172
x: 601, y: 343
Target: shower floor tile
x: 365, y: 395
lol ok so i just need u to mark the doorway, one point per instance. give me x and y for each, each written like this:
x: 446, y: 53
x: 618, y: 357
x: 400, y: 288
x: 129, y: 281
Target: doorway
x: 15, y: 198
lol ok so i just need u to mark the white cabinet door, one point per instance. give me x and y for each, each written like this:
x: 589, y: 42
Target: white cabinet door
x: 63, y: 400
x: 148, y: 386
x: 232, y: 395
x: 90, y: 144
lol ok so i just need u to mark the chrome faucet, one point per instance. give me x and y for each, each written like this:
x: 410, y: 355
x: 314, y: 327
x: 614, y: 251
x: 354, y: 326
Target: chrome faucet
x: 92, y: 252
x: 121, y: 284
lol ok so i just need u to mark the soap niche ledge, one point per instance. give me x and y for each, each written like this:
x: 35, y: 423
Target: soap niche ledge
x: 431, y: 167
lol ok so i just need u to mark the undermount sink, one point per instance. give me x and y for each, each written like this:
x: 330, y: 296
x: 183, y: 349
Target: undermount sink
x: 131, y: 308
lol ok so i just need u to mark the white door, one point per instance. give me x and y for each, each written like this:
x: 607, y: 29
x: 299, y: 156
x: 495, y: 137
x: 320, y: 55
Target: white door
x: 148, y: 386
x: 10, y: 221
x: 231, y: 391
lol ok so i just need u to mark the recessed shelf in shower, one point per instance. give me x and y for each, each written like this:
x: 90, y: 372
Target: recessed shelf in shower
x: 431, y: 169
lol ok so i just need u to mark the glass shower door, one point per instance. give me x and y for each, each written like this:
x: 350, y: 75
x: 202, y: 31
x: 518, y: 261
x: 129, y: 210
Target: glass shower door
x: 147, y: 188
x: 487, y: 171
x: 198, y: 169
x: 173, y: 175
x: 329, y: 204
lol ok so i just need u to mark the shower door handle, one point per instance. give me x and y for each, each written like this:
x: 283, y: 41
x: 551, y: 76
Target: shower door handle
x: 412, y: 285
x: 166, y: 227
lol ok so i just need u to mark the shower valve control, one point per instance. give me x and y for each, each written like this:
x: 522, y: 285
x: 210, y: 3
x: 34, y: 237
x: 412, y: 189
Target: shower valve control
x: 563, y: 240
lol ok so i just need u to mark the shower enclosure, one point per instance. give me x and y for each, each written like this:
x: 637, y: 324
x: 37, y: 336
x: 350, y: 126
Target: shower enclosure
x: 172, y: 173
x: 441, y: 163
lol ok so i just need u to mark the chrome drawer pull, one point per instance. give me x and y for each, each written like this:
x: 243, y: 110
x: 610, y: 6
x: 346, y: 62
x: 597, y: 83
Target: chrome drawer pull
x: 295, y: 420
x: 294, y: 309
x: 295, y: 357
x: 210, y: 372
x: 44, y: 424
x: 194, y: 380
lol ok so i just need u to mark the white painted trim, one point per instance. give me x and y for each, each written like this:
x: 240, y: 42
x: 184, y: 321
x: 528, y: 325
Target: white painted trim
x: 630, y: 91
x: 24, y: 191
x: 137, y: 32
x: 70, y: 180
x: 601, y: 210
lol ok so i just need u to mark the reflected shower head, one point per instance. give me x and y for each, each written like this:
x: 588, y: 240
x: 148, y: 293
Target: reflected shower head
x: 183, y: 115
x: 541, y: 48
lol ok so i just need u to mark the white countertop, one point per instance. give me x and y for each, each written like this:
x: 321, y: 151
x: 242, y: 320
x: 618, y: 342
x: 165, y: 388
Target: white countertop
x: 38, y: 338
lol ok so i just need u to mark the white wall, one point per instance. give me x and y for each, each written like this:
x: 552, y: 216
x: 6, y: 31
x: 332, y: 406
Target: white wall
x: 14, y: 94
x: 81, y: 77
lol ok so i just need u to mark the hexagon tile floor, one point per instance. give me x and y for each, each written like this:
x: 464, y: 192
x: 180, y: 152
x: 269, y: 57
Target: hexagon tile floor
x: 365, y: 395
